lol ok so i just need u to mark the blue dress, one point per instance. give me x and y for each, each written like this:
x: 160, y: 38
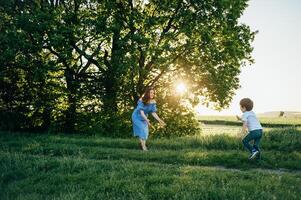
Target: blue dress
x: 140, y: 126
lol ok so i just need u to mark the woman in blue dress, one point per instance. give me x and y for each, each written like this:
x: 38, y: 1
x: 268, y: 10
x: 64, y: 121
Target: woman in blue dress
x: 141, y: 123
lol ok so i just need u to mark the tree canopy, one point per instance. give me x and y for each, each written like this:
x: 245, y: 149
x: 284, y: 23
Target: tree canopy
x: 69, y: 64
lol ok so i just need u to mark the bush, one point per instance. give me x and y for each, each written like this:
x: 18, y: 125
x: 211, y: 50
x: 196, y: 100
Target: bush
x: 104, y: 124
x: 179, y: 123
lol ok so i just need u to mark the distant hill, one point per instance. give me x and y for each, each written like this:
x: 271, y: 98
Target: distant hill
x: 276, y: 114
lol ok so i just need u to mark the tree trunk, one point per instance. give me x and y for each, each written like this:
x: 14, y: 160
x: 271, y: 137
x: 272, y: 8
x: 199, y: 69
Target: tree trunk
x: 111, y: 77
x: 110, y: 97
x: 72, y: 102
x: 46, y: 117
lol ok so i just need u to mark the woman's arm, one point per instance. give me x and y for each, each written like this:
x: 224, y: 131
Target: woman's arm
x: 158, y: 119
x: 144, y: 117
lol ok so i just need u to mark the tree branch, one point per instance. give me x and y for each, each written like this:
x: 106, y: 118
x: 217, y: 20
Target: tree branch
x: 88, y: 57
x: 60, y: 58
x: 165, y: 30
x: 152, y: 82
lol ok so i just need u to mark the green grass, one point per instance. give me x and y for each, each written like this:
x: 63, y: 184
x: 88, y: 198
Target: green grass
x: 199, y: 167
x: 272, y: 122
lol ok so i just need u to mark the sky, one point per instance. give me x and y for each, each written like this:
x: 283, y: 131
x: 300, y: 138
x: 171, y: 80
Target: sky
x: 273, y: 82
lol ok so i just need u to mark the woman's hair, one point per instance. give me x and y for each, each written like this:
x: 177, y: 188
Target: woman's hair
x: 146, y: 95
x: 246, y: 103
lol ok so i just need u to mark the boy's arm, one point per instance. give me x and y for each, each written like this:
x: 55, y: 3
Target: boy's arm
x: 244, y: 128
x: 238, y: 118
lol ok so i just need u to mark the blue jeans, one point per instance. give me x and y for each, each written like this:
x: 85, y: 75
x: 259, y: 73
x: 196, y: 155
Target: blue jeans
x: 253, y: 135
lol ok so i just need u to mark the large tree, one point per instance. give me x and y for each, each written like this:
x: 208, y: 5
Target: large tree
x: 102, y: 54
x: 202, y: 40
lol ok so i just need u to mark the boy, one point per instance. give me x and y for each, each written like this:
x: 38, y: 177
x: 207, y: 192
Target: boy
x: 252, y: 126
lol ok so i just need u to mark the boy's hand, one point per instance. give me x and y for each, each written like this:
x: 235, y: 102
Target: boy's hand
x: 241, y: 134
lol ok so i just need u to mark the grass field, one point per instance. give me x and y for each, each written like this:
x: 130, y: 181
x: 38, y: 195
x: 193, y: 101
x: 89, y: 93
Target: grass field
x: 270, y: 122
x: 208, y: 166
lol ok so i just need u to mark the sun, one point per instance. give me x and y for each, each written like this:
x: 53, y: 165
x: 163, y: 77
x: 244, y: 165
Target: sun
x: 181, y: 88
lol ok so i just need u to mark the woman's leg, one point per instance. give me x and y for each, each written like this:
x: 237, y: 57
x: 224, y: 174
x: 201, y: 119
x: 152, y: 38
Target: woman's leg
x: 142, y: 143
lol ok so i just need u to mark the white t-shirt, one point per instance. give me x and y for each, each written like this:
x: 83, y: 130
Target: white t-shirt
x: 252, y: 121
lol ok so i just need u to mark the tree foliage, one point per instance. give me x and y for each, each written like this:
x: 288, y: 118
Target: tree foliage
x: 74, y: 65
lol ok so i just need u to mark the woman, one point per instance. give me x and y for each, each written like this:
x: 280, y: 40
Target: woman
x: 146, y: 105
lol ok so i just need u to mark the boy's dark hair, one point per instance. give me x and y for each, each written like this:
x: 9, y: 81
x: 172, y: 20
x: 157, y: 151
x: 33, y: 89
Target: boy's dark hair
x: 246, y: 103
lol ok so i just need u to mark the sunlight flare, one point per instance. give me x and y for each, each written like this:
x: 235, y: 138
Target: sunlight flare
x: 181, y: 88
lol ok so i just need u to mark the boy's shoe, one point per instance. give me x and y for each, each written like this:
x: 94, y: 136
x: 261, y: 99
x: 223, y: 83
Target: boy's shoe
x: 253, y: 155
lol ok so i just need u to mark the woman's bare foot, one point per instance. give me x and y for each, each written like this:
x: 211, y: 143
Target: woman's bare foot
x: 144, y: 148
x: 141, y: 146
